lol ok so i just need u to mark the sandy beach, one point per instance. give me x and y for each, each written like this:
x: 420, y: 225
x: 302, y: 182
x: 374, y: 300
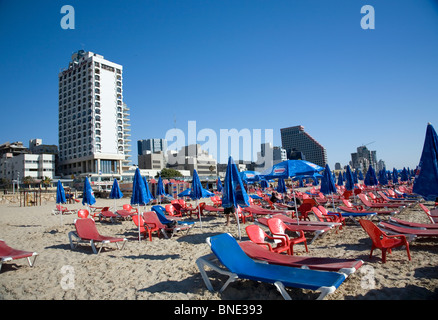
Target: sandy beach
x: 165, y: 269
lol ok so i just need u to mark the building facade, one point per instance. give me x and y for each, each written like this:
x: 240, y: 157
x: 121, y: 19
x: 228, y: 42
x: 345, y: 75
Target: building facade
x: 151, y: 145
x: 297, y: 140
x: 37, y: 166
x: 192, y: 158
x: 94, y: 124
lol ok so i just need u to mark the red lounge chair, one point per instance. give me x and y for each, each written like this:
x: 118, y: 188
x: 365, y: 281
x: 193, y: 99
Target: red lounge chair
x: 257, y: 252
x: 431, y: 214
x: 86, y: 231
x: 63, y: 210
x: 256, y: 210
x: 170, y: 209
x: 205, y: 207
x: 328, y: 217
x: 278, y: 228
x: 259, y: 237
x: 385, y: 199
x: 293, y: 221
x: 125, y: 214
x: 412, y: 233
x: 415, y: 225
x: 392, y: 196
x: 153, y: 222
x: 129, y: 208
x: 369, y: 204
x: 8, y: 254
x: 382, y: 241
x: 108, y: 215
x: 306, y: 226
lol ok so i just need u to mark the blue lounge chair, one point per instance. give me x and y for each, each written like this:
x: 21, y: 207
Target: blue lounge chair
x: 160, y: 211
x: 239, y: 265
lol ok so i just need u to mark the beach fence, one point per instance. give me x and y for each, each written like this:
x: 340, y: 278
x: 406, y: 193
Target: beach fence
x: 30, y: 198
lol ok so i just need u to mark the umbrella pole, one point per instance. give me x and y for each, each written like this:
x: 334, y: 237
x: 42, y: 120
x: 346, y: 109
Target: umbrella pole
x: 199, y: 212
x: 236, y: 213
x: 138, y: 216
x: 295, y: 202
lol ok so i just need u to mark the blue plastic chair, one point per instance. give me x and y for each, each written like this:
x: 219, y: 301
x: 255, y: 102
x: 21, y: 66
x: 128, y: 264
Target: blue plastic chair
x: 240, y: 266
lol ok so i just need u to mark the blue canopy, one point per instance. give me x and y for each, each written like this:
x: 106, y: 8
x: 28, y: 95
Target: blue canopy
x: 88, y: 194
x: 370, y: 177
x: 60, y: 193
x: 115, y: 193
x: 426, y: 177
x: 327, y: 183
x: 139, y: 194
x: 205, y: 193
x: 250, y: 176
x: 281, y: 188
x: 234, y: 193
x: 291, y: 168
x: 349, y: 184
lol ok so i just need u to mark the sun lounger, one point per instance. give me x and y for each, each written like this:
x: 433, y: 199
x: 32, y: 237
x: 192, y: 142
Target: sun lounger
x: 431, y: 214
x: 256, y: 210
x: 415, y: 225
x: 399, y: 200
x: 151, y: 219
x: 86, y: 231
x: 317, y: 230
x: 205, y: 207
x: 8, y: 254
x: 108, y: 215
x: 367, y: 203
x: 257, y: 252
x: 159, y: 210
x: 294, y: 221
x: 62, y: 210
x: 411, y: 233
x: 238, y: 265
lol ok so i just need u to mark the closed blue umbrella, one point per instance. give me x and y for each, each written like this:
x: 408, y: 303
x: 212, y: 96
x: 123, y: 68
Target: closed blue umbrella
x: 281, y: 187
x: 349, y: 182
x: 219, y: 185
x: 327, y: 183
x: 88, y: 194
x: 383, y: 179
x: 340, y: 179
x: 360, y: 175
x: 139, y: 197
x: 355, y: 176
x: 115, y: 193
x: 394, y: 176
x: 234, y: 193
x: 370, y: 177
x: 196, y: 192
x: 426, y: 176
x: 160, y: 189
x: 404, y: 175
x: 264, y: 184
x: 60, y: 196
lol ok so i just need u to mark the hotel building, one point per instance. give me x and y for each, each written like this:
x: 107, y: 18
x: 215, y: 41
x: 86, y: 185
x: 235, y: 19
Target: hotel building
x: 296, y: 139
x: 94, y: 124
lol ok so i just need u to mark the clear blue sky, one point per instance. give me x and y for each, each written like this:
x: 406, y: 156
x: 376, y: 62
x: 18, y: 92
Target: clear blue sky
x: 226, y: 64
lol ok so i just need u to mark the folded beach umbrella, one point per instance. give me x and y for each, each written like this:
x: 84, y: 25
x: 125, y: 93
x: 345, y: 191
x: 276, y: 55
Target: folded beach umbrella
x: 88, y: 194
x: 160, y: 189
x: 327, y: 183
x: 281, y: 187
x: 394, y: 176
x: 360, y: 175
x: 370, y: 177
x: 139, y: 197
x: 340, y: 179
x: 426, y: 176
x: 404, y: 175
x: 148, y: 191
x: 383, y: 178
x: 264, y: 184
x: 234, y: 193
x: 115, y: 193
x: 349, y: 182
x: 60, y: 196
x: 355, y: 176
x: 196, y: 192
x: 219, y: 185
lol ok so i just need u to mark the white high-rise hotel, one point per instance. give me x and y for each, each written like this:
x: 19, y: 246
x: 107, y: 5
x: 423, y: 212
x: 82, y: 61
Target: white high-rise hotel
x: 94, y: 133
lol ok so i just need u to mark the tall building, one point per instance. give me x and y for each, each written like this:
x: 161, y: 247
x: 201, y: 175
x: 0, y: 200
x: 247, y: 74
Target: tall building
x: 191, y: 158
x: 295, y: 139
x: 151, y: 145
x: 363, y: 158
x: 94, y: 124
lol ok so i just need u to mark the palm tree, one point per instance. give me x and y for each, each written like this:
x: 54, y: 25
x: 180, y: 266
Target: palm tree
x: 46, y: 182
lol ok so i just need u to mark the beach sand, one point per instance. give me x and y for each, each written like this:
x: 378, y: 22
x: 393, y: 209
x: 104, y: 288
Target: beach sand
x: 165, y: 269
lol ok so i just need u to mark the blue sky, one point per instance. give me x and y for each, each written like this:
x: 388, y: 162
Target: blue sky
x: 226, y: 64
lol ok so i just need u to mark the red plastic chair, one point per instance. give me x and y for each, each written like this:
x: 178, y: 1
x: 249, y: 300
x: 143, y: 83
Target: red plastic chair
x: 258, y: 236
x: 304, y: 209
x: 382, y: 241
x: 145, y: 229
x: 170, y: 209
x: 129, y: 208
x: 326, y: 218
x: 336, y: 215
x: 83, y: 213
x: 278, y: 228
